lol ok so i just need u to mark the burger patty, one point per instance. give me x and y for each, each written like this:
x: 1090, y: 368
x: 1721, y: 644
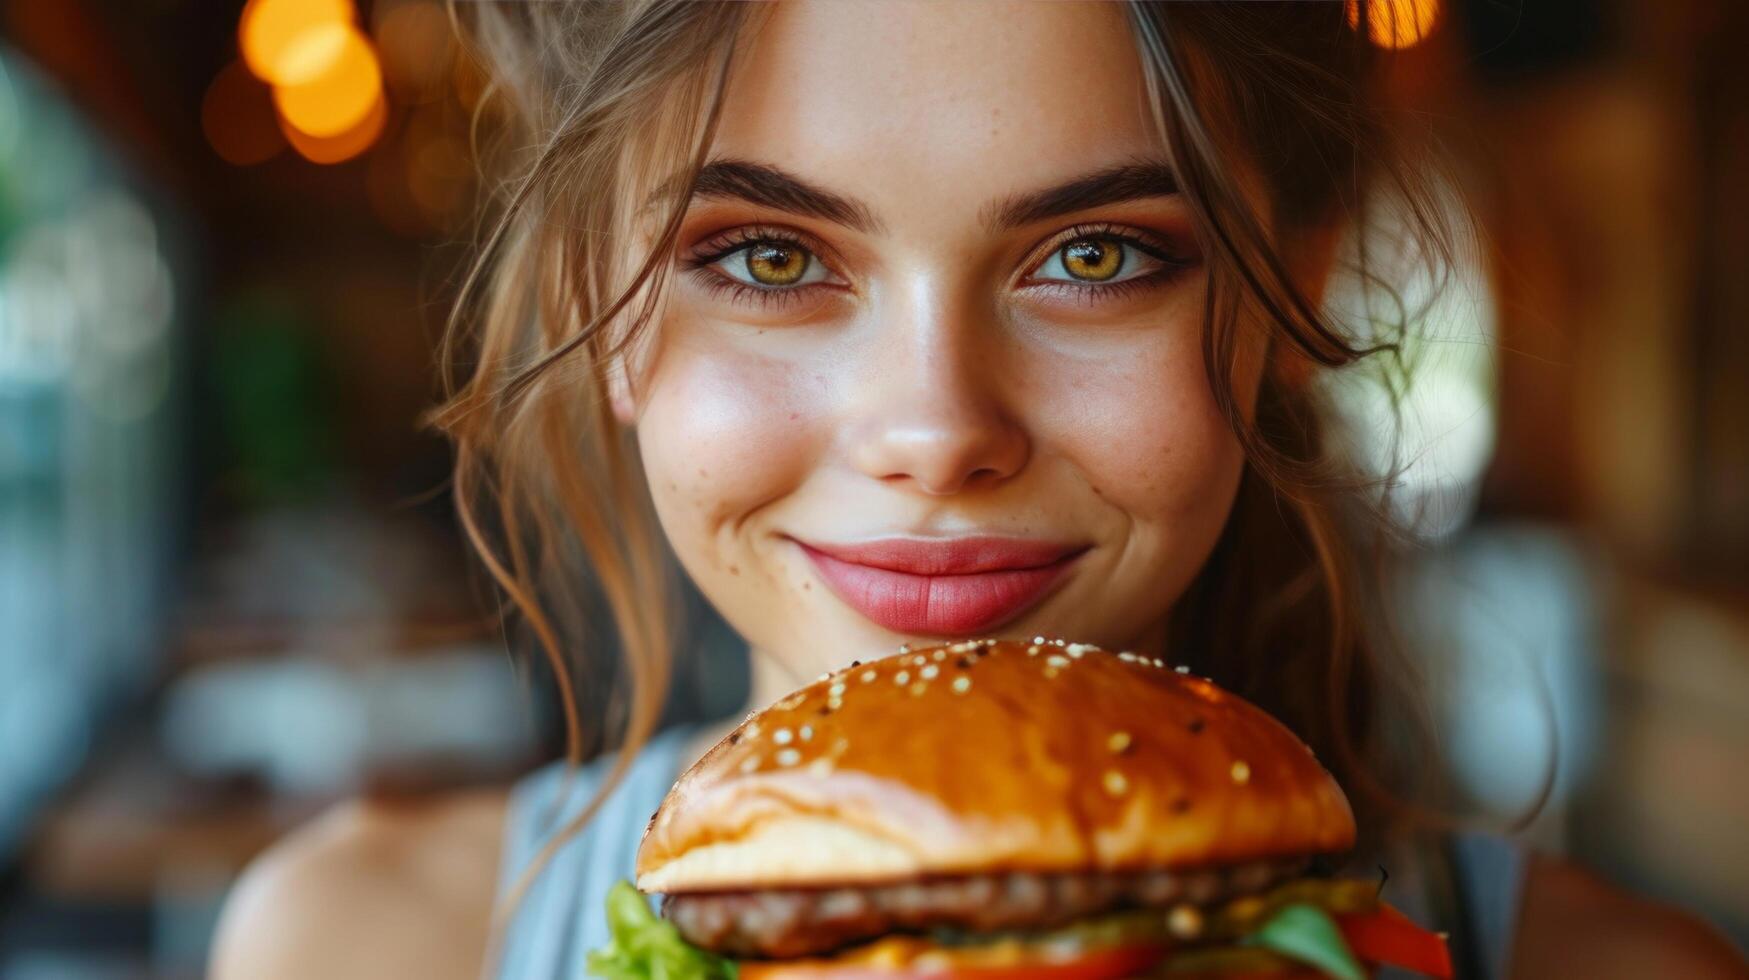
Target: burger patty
x: 803, y: 921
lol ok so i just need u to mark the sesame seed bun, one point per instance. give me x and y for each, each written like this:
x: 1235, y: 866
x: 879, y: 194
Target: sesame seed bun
x: 992, y: 756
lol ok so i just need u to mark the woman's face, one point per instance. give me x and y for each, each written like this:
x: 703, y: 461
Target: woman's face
x: 931, y: 362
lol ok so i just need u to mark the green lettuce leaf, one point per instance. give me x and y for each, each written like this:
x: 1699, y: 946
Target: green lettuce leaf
x: 1305, y: 932
x: 643, y: 946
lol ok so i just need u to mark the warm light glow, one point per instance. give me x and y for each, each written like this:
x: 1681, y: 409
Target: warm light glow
x: 334, y: 102
x: 1396, y: 23
x: 312, y: 54
x: 414, y: 42
x: 344, y: 145
x: 237, y: 117
x: 276, y: 36
x: 437, y: 175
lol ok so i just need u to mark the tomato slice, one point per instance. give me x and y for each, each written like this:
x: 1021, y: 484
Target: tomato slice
x: 1388, y: 936
x: 1107, y: 963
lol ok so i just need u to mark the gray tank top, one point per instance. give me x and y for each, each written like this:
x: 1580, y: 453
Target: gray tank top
x: 561, y: 917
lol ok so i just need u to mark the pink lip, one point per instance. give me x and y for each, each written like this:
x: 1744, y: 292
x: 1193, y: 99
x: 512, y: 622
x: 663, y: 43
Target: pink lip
x: 944, y: 586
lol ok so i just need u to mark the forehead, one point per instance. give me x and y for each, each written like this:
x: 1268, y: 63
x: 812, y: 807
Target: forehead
x: 926, y: 109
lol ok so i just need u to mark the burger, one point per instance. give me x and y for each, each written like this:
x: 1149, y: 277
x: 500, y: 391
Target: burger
x: 990, y: 809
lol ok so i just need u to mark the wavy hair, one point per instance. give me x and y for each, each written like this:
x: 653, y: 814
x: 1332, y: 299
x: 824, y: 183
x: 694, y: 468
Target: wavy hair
x: 592, y: 104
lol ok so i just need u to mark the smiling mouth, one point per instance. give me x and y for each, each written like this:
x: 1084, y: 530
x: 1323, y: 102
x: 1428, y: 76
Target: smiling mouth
x: 942, y: 586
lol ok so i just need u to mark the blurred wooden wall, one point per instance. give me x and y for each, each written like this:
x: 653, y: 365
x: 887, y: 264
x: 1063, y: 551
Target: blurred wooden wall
x: 1614, y: 176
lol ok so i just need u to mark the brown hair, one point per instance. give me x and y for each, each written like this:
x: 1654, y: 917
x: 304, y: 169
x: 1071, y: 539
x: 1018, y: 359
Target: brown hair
x: 595, y: 100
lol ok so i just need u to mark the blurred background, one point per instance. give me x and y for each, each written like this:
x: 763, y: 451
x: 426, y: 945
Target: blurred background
x: 232, y: 590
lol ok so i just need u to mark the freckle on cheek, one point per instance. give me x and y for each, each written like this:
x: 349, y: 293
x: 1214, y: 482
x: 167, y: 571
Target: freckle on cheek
x: 734, y: 569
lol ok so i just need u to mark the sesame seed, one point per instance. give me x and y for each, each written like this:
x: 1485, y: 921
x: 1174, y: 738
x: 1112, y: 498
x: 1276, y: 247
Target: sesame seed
x: 918, y: 688
x: 1059, y: 641
x: 904, y: 648
x: 1158, y: 662
x: 1051, y: 673
x: 788, y: 757
x: 1118, y: 742
x: 1184, y: 921
x: 834, y: 703
x: 1056, y: 661
x: 962, y: 684
x: 836, y: 690
x: 1077, y: 649
x: 820, y: 768
x: 822, y: 677
x: 855, y: 664
x: 750, y: 763
x: 1115, y: 783
x: 1182, y: 669
x: 919, y: 660
x: 940, y: 655
x: 782, y: 736
x: 868, y: 675
x: 1032, y: 651
x: 1127, y: 657
x: 929, y: 671
x: 806, y: 732
x: 753, y: 730
x: 902, y: 678
x: 1241, y: 772
x: 1038, y: 639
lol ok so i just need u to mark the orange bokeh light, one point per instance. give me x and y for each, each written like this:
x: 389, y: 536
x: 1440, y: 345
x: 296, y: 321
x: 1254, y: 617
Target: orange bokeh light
x: 276, y: 36
x: 1396, y: 23
x: 414, y: 41
x: 334, y: 101
x: 237, y: 117
x: 344, y: 145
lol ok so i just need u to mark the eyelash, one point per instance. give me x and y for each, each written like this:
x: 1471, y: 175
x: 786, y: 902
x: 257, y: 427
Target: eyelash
x: 716, y: 284
x: 1090, y: 292
x: 721, y: 247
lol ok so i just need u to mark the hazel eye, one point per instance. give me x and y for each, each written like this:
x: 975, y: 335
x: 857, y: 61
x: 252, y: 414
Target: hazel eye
x: 771, y: 264
x: 1096, y: 259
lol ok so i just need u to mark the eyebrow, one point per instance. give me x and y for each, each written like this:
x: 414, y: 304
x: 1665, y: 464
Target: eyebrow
x: 1133, y: 181
x: 770, y: 186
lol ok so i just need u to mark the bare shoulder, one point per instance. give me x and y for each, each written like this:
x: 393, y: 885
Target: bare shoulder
x: 369, y: 889
x: 1575, y: 924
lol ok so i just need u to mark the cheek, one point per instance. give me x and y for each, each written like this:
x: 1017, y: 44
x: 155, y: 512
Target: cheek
x: 721, y: 433
x: 1149, y: 437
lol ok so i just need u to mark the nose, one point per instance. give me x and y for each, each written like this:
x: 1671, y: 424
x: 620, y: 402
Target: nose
x: 931, y: 413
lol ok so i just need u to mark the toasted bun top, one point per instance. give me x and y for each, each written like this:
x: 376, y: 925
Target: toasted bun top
x: 989, y: 756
